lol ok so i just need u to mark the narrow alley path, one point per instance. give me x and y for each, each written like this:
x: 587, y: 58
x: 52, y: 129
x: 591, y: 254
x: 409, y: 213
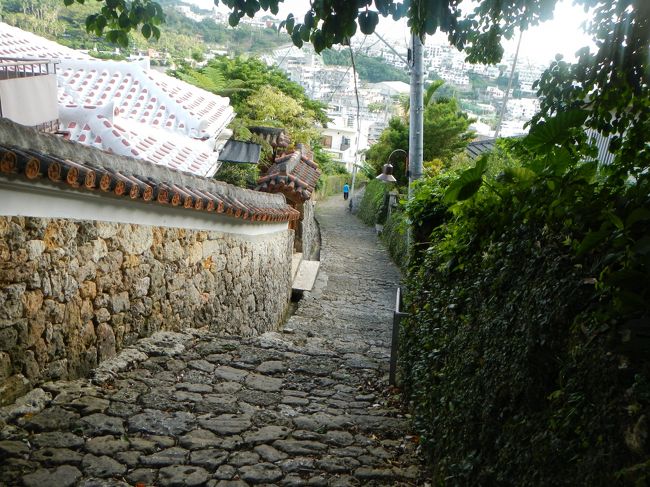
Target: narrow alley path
x: 308, y: 405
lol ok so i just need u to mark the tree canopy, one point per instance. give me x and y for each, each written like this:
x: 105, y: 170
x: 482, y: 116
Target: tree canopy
x: 610, y: 82
x: 240, y: 77
x: 478, y: 29
x: 445, y: 134
x: 260, y: 95
x: 117, y: 18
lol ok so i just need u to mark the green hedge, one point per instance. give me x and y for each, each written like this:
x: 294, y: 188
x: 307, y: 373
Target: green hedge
x: 526, y: 360
x: 394, y: 236
x: 374, y: 205
x: 329, y: 185
x: 373, y: 209
x: 242, y: 175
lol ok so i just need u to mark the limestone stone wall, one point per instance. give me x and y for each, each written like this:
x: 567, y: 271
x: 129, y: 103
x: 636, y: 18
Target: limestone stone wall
x: 310, y: 232
x: 73, y: 293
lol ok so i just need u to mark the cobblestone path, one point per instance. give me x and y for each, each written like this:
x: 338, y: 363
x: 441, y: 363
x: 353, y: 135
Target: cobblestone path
x: 308, y: 405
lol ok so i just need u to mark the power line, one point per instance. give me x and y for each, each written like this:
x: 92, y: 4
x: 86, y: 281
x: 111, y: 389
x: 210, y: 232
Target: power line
x: 285, y: 55
x: 329, y: 98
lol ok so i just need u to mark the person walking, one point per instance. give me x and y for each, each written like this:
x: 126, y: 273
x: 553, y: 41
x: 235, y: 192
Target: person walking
x: 346, y: 191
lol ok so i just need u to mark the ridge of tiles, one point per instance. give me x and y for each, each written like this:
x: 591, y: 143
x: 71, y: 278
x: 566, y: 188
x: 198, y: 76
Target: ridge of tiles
x: 294, y: 173
x: 31, y: 165
x: 15, y: 42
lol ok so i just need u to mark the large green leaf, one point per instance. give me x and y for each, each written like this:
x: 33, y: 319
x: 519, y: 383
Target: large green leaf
x: 584, y: 172
x: 592, y: 240
x: 556, y: 130
x: 514, y: 174
x: 637, y: 215
x: 430, y: 91
x: 467, y: 184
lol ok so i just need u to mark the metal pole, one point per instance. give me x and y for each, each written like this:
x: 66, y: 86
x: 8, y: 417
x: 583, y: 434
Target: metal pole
x: 416, y: 129
x: 358, y: 140
x: 416, y: 112
x: 354, y: 177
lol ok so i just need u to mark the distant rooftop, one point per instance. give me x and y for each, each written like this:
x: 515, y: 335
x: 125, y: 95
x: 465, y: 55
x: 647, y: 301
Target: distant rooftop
x: 47, y: 161
x: 126, y: 108
x: 294, y: 174
x: 398, y: 86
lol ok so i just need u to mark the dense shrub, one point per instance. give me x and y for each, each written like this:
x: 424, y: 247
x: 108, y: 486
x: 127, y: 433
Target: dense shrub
x: 373, y: 208
x: 242, y: 175
x: 395, y: 236
x: 526, y: 357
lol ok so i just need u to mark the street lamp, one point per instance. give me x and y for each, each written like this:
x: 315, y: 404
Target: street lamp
x: 387, y: 172
x: 387, y: 177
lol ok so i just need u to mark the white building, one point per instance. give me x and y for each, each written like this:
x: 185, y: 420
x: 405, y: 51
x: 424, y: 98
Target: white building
x: 392, y: 88
x: 494, y: 92
x: 522, y: 109
x: 187, y: 12
x: 482, y: 129
x: 344, y: 138
x: 129, y: 109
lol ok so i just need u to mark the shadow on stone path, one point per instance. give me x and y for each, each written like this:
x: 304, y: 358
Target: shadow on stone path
x: 305, y: 406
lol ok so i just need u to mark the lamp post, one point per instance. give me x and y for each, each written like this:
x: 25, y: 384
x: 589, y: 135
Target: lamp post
x: 387, y: 172
x: 387, y: 177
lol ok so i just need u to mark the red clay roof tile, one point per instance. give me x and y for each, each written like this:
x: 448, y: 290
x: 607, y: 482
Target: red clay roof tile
x: 33, y: 165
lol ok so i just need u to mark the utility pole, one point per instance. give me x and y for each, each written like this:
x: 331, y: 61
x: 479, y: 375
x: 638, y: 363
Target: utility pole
x: 416, y: 131
x: 416, y: 125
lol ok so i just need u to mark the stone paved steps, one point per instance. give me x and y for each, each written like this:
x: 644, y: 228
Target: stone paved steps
x: 306, y: 276
x: 308, y: 406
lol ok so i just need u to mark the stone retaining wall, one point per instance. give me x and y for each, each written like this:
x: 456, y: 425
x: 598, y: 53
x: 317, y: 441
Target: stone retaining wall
x: 73, y: 293
x: 310, y: 233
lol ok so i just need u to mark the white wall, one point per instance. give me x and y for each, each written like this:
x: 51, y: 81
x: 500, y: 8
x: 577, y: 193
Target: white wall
x: 45, y: 201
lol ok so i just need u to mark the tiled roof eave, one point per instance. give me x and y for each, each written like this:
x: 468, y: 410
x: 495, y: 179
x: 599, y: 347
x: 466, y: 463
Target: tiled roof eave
x: 287, y: 185
x: 32, y: 166
x: 293, y: 174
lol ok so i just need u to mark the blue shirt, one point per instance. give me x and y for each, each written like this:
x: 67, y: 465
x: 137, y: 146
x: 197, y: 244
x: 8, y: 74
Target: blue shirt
x: 346, y: 188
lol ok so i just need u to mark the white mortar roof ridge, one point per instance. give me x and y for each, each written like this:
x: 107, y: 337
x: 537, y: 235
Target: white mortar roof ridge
x: 145, y: 96
x: 164, y: 108
x: 15, y: 42
x: 132, y: 139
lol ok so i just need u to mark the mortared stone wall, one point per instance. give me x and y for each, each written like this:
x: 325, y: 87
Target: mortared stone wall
x: 73, y: 293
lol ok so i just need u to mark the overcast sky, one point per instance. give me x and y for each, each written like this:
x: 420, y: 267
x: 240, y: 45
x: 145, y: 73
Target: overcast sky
x: 562, y: 35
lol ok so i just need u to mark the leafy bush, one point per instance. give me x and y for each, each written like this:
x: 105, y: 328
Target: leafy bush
x: 446, y: 133
x: 526, y: 357
x: 395, y: 236
x: 329, y: 185
x: 242, y: 175
x: 374, y: 205
x: 326, y: 162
